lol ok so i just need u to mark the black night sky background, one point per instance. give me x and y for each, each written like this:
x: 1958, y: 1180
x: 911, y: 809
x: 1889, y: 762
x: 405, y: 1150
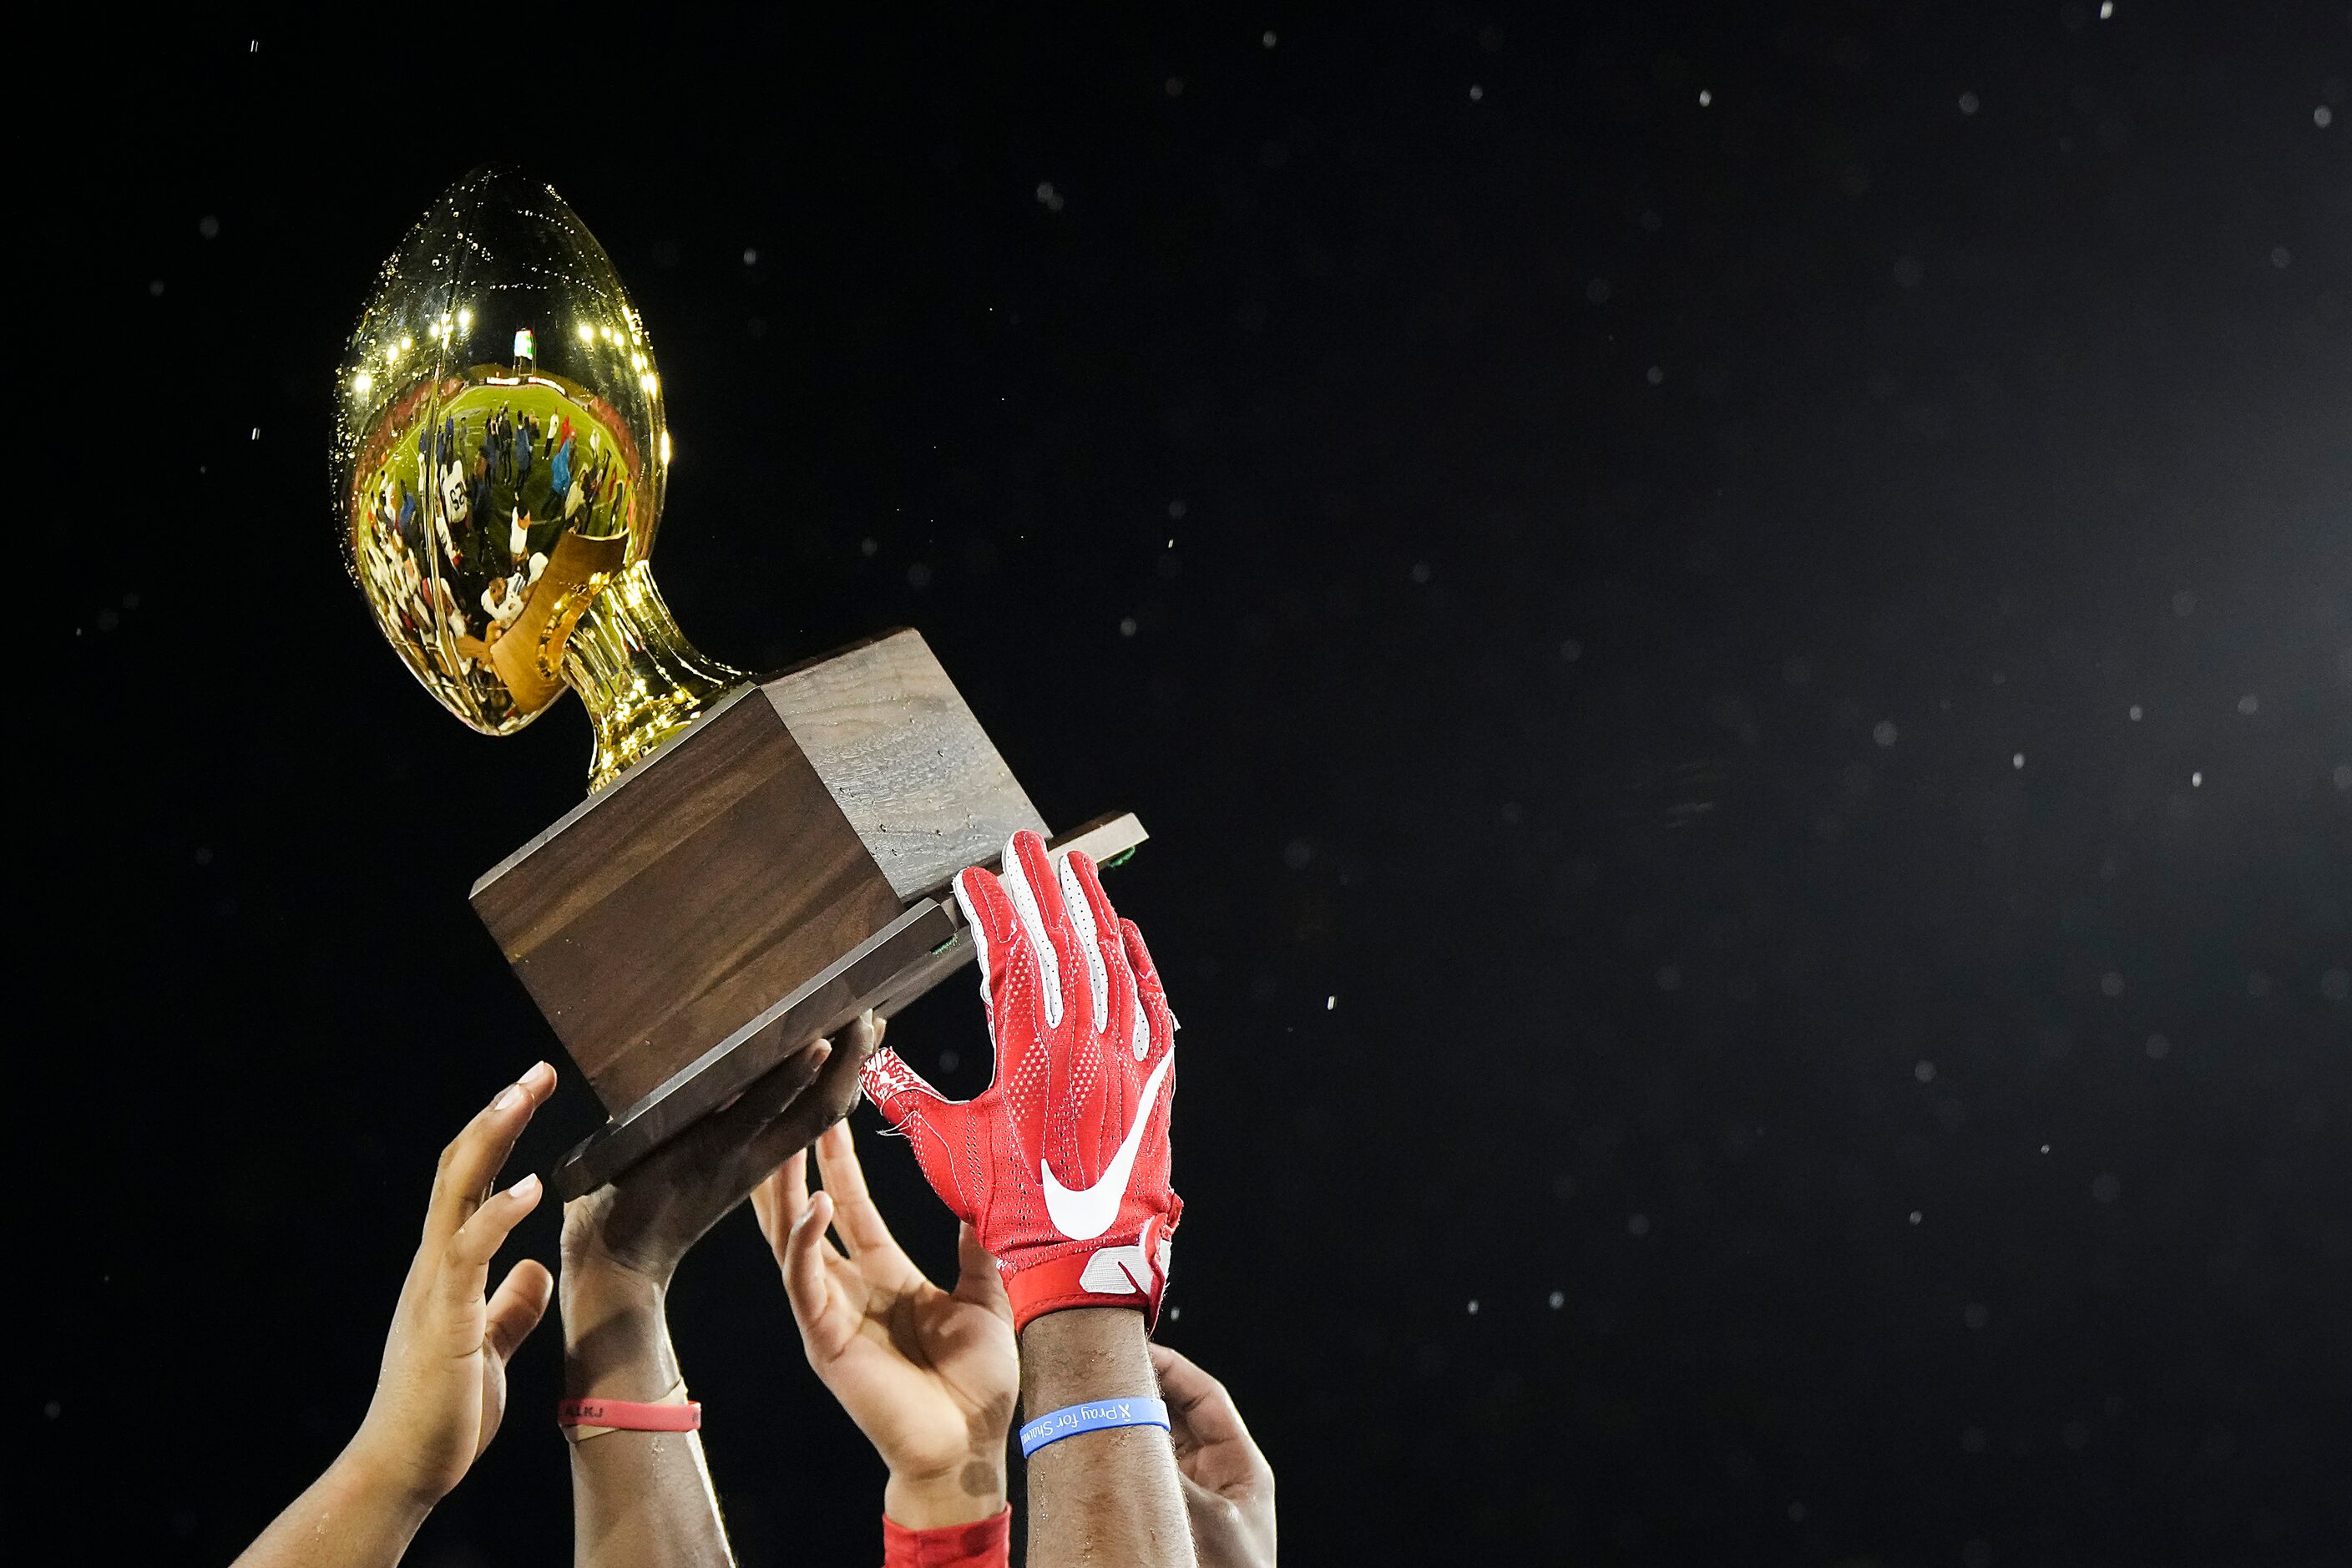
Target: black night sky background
x: 1733, y: 625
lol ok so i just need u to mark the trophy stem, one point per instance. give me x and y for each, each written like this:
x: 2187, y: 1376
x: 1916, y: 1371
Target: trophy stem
x: 641, y: 679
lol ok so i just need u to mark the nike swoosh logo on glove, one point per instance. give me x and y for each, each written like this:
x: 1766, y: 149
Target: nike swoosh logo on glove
x: 1088, y: 1212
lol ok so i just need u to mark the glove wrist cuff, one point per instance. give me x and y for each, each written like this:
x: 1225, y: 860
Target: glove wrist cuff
x: 1109, y: 1276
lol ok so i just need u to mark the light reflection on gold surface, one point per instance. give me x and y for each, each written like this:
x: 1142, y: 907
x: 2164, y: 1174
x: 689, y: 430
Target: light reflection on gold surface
x: 498, y: 489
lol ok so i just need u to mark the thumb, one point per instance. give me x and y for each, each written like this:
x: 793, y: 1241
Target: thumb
x: 900, y: 1093
x: 516, y: 1307
x: 979, y: 1280
x: 933, y: 1123
x: 823, y: 1334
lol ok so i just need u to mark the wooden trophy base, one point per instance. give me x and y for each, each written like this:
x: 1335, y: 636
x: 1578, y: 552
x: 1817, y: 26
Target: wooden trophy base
x: 775, y: 869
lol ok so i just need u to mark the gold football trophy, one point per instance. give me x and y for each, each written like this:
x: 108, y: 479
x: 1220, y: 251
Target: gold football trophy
x: 759, y: 859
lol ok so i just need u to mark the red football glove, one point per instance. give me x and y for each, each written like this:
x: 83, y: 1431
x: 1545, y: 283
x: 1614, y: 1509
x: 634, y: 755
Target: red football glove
x: 1062, y: 1164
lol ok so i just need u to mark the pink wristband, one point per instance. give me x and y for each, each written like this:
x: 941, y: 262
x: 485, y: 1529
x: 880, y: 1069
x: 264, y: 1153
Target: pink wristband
x: 627, y: 1415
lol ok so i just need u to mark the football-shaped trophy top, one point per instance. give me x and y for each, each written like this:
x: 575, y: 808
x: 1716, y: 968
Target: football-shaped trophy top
x: 499, y: 458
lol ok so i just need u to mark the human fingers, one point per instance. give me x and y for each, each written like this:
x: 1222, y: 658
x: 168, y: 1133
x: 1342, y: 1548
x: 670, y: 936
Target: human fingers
x: 768, y: 1096
x: 470, y: 1163
x: 978, y: 1281
x: 777, y: 1203
x: 854, y: 1218
x: 806, y: 1283
x: 826, y: 1101
x: 466, y: 1260
x: 517, y: 1306
x: 1201, y: 1413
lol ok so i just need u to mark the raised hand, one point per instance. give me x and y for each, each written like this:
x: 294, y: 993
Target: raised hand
x: 646, y: 1497
x: 442, y: 1388
x: 645, y: 1222
x: 441, y: 1391
x: 1062, y: 1164
x: 929, y: 1375
x: 1228, y: 1485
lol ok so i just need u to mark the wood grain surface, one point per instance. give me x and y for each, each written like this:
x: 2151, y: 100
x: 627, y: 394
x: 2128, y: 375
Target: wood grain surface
x: 706, y: 884
x: 819, y: 1006
x: 905, y: 760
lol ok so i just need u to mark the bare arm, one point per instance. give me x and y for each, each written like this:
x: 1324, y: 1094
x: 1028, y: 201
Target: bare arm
x: 349, y: 1517
x: 644, y: 1498
x: 1099, y: 1496
x: 1228, y: 1485
x: 636, y: 1497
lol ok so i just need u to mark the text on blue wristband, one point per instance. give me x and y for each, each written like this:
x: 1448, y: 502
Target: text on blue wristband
x: 1102, y: 1416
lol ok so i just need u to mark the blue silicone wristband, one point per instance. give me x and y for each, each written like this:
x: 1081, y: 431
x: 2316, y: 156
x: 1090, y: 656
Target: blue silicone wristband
x: 1100, y: 1416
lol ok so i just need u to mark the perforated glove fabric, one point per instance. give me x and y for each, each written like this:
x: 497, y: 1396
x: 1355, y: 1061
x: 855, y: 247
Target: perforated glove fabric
x: 1062, y: 1165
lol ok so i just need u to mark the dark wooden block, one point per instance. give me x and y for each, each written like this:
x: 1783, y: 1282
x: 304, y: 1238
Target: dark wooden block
x: 783, y: 828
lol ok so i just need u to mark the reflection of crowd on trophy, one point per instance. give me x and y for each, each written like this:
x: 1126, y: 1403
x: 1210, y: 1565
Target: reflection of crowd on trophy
x: 497, y: 487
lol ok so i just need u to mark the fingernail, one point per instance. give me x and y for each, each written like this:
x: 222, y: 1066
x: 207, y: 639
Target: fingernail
x: 508, y: 1097
x: 539, y: 1073
x: 528, y: 1189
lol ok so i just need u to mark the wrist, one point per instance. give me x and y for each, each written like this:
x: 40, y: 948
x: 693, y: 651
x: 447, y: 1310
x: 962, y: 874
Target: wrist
x: 594, y: 1264
x: 1085, y: 1353
x: 592, y: 1286
x: 616, y: 1335
x: 967, y: 1492
x: 369, y: 1478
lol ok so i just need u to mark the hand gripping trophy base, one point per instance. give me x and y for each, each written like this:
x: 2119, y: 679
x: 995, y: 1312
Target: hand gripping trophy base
x: 755, y: 873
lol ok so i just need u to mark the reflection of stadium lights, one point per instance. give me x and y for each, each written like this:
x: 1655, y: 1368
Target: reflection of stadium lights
x: 607, y: 331
x: 407, y: 344
x: 665, y: 448
x: 360, y: 386
x: 587, y: 333
x: 464, y: 320
x: 649, y: 382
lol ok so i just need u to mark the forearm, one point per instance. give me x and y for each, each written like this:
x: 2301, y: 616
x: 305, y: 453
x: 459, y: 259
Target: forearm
x: 347, y: 1519
x: 638, y: 1498
x: 1100, y: 1497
